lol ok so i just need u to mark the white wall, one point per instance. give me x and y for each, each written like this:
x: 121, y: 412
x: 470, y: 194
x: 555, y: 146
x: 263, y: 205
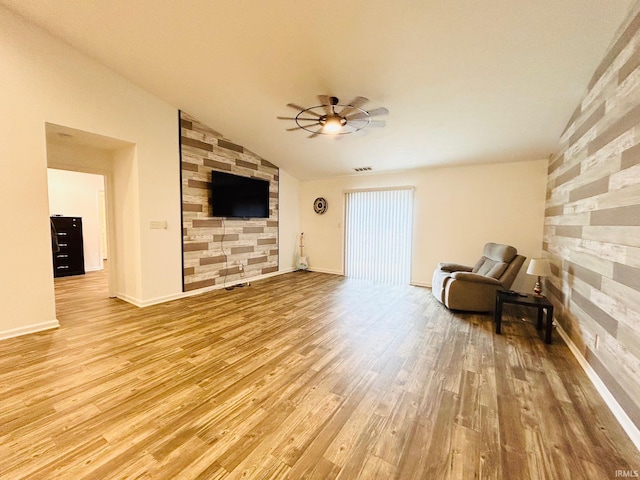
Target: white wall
x: 76, y: 194
x: 44, y: 80
x: 289, y: 221
x: 456, y: 211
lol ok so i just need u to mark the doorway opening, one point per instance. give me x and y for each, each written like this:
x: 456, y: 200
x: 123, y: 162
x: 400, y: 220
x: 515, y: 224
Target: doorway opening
x: 82, y: 173
x: 81, y: 196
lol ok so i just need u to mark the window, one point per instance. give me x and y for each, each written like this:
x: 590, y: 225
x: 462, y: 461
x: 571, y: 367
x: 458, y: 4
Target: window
x: 378, y: 231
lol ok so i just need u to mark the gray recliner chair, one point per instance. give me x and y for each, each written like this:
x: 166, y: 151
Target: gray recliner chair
x: 473, y: 289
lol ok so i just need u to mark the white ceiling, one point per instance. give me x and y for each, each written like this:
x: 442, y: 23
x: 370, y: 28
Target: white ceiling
x: 465, y: 81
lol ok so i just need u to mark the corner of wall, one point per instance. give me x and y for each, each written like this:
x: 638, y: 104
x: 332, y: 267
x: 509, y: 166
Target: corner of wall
x: 216, y: 250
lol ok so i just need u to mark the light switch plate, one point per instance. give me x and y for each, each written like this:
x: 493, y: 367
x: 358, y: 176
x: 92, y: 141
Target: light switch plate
x: 158, y: 224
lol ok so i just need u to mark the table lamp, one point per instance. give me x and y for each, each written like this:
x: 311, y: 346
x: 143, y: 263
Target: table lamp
x: 541, y: 268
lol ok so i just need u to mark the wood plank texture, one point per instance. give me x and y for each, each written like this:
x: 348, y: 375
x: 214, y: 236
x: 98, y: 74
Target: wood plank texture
x: 304, y: 375
x: 240, y: 242
x: 592, y: 224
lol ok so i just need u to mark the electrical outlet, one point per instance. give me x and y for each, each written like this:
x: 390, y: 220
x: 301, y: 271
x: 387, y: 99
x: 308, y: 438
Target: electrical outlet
x: 241, y: 267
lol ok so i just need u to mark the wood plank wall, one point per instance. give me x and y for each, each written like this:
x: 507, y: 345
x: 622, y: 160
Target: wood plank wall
x: 214, y: 248
x: 592, y: 225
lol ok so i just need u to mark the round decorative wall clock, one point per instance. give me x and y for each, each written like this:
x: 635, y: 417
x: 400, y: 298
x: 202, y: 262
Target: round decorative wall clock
x: 320, y: 205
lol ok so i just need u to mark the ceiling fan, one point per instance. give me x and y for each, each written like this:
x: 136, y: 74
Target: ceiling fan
x: 334, y: 118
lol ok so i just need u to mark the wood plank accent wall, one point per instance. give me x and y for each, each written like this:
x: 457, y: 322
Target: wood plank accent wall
x: 214, y: 248
x: 592, y: 225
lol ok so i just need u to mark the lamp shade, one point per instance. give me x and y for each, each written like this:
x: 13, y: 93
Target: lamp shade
x: 539, y: 267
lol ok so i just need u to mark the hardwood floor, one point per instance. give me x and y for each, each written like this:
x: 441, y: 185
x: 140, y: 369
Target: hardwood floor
x: 303, y: 375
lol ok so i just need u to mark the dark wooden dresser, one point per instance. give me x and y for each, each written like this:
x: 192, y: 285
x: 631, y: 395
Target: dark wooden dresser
x: 69, y: 260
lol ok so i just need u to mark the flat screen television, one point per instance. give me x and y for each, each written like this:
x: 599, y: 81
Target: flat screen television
x: 235, y: 196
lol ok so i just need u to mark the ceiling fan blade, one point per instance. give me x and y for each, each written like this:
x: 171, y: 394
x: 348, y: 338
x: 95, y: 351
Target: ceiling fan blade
x: 353, y: 105
x: 325, y: 100
x: 378, y: 111
x: 297, y: 107
x: 298, y: 118
x: 308, y: 125
x: 364, y: 116
x: 377, y: 123
x: 358, y: 102
x: 357, y: 116
x: 301, y: 109
x: 315, y: 134
x: 293, y: 129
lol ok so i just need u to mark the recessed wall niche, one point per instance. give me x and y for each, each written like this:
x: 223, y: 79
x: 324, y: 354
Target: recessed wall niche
x: 219, y: 251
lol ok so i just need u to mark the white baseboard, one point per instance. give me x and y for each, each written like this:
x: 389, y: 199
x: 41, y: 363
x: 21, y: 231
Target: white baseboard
x: 37, y: 327
x: 625, y: 422
x: 287, y: 270
x: 421, y: 284
x: 241, y: 280
x: 324, y: 270
x: 167, y: 298
x: 135, y: 301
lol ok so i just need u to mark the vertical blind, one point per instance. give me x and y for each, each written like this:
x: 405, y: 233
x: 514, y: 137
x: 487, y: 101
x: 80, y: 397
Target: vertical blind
x: 378, y: 230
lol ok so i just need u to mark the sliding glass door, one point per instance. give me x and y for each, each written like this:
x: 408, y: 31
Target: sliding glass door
x: 378, y: 230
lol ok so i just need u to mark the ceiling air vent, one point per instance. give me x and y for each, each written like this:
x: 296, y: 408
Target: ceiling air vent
x: 363, y: 169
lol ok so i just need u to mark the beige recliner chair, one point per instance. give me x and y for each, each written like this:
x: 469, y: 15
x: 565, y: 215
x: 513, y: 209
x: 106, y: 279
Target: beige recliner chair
x: 473, y: 289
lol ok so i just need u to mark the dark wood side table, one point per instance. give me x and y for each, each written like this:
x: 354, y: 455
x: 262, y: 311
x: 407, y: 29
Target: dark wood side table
x: 541, y: 303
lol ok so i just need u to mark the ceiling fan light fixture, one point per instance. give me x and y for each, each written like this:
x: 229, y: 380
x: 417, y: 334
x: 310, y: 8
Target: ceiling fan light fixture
x: 333, y: 118
x: 334, y: 124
